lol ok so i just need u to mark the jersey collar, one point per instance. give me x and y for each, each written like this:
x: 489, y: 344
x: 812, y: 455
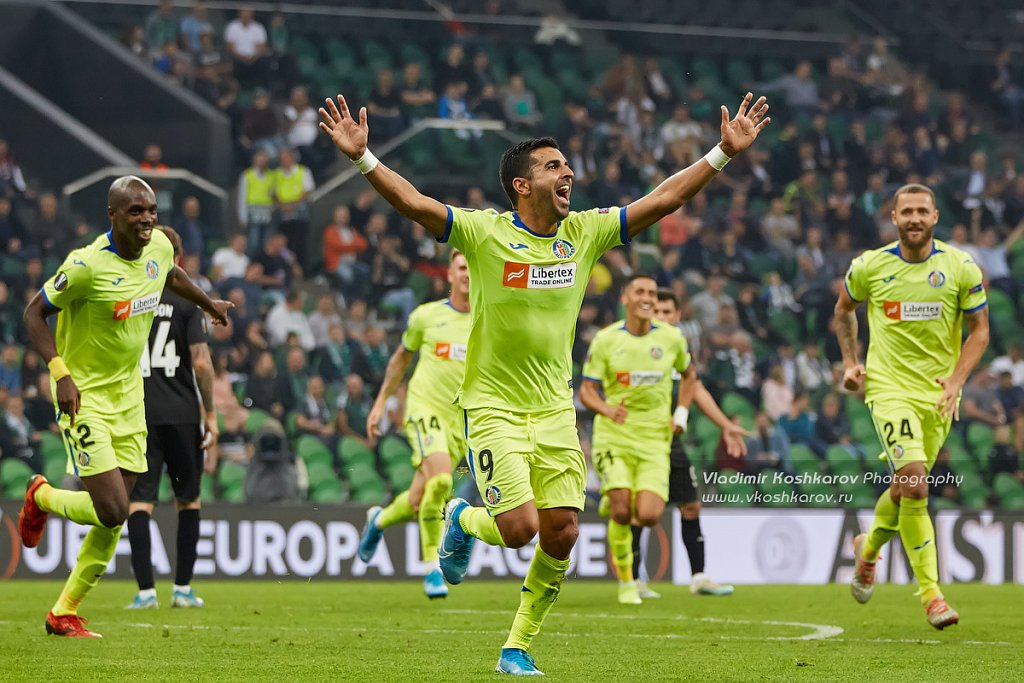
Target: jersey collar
x: 518, y: 222
x: 896, y: 250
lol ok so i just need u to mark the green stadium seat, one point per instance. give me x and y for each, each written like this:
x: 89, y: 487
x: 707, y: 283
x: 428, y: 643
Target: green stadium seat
x: 841, y: 461
x: 419, y: 283
x: 400, y: 475
x: 863, y: 430
x: 312, y: 450
x: 736, y: 404
x: 329, y: 492
x: 165, y: 494
x: 256, y: 419
x: 393, y: 450
x: 206, y: 492
x: 318, y: 472
x: 351, y: 452
x: 370, y: 495
x: 980, y: 439
x: 1006, y: 485
x: 361, y: 475
x: 769, y: 487
x: 231, y: 478
x: 942, y: 503
x: 14, y: 475
x: 804, y: 460
x: 863, y: 497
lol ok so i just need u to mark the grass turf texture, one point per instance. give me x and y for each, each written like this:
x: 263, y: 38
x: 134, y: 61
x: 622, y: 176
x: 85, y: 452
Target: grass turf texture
x: 380, y: 631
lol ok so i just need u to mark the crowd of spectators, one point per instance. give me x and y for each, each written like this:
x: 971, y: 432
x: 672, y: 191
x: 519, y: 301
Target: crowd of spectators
x: 756, y: 260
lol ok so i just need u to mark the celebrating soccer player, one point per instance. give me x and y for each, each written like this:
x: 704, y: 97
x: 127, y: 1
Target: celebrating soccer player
x: 178, y: 436
x: 633, y: 360
x: 918, y: 290
x: 104, y: 295
x: 438, y: 331
x: 529, y: 267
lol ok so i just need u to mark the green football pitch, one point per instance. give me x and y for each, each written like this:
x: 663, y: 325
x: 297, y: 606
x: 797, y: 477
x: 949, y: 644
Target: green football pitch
x: 379, y: 631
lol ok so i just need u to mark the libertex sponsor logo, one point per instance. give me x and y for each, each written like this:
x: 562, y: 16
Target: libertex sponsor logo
x: 639, y: 378
x: 912, y: 310
x: 450, y: 351
x: 143, y: 304
x: 533, y: 276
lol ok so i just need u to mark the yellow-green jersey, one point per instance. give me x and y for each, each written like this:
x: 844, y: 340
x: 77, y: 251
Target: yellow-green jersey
x: 526, y: 295
x: 637, y: 370
x: 440, y: 334
x: 915, y: 313
x: 106, y: 305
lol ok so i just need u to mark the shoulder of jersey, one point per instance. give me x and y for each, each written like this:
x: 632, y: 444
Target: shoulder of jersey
x: 956, y: 255
x: 610, y: 329
x: 666, y: 328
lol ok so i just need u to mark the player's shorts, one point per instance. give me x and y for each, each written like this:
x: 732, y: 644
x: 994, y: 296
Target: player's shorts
x: 517, y: 457
x: 180, y: 448
x: 430, y: 432
x: 682, y: 479
x: 109, y: 433
x: 910, y: 431
x: 640, y: 464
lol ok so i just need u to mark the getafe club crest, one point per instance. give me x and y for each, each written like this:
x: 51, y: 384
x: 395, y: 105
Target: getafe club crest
x: 656, y: 352
x: 563, y: 249
x: 152, y: 269
x: 936, y: 278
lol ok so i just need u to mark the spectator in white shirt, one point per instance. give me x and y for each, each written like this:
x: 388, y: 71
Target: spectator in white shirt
x: 246, y: 39
x: 231, y: 261
x: 287, y: 317
x: 1012, y: 363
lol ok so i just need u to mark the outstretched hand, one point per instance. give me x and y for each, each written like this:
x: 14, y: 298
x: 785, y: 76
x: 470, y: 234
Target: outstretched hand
x: 741, y: 131
x: 347, y: 134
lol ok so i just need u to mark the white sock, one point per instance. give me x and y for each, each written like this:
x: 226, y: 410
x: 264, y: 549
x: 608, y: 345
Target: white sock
x: 182, y: 589
x: 148, y: 593
x: 433, y: 566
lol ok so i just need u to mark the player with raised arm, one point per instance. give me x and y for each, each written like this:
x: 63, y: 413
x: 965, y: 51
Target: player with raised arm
x: 105, y: 295
x: 438, y: 331
x: 918, y: 292
x: 180, y: 432
x: 632, y: 361
x: 529, y: 268
x: 682, y: 479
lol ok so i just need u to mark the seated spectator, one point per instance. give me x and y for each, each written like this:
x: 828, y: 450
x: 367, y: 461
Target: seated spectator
x: 375, y: 356
x: 262, y: 386
x: 213, y: 79
x: 279, y: 264
x: 13, y: 240
x: 779, y: 295
x: 261, y: 129
x: 354, y: 404
x: 798, y: 424
x: 161, y: 26
x: 417, y: 96
x: 384, y: 106
x: 246, y: 39
x: 1011, y: 397
x: 320, y: 321
x: 39, y: 404
x: 454, y: 69
x: 780, y: 228
x: 520, y: 104
x: 18, y: 439
x: 287, y: 317
x: 813, y: 371
x: 1007, y: 88
x: 230, y: 261
x: 343, y: 245
x: 1004, y: 456
x: 992, y: 258
x: 776, y: 394
x: 194, y: 26
x: 800, y: 92
x: 940, y: 480
x: 50, y: 229
x: 301, y: 130
x: 191, y: 228
x: 388, y: 276
x: 833, y: 427
x: 313, y: 417
x: 767, y: 448
x: 683, y: 131
x: 10, y: 368
x: 980, y: 403
x: 339, y: 357
x: 707, y: 303
x: 1012, y: 362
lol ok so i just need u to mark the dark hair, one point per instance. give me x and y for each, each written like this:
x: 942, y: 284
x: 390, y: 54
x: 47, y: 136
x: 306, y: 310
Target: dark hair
x: 515, y: 163
x: 174, y: 237
x: 666, y: 294
x: 637, y: 276
x: 913, y: 188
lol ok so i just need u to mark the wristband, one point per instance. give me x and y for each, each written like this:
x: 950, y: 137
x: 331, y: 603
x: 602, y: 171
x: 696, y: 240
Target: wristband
x: 367, y: 162
x: 717, y: 158
x: 680, y: 417
x: 58, y: 369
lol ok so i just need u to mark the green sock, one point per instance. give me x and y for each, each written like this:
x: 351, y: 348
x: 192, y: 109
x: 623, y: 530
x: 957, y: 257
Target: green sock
x: 884, y: 526
x: 97, y: 549
x: 431, y: 517
x: 620, y: 540
x: 74, y: 505
x: 918, y: 536
x: 540, y: 590
x: 398, y: 511
x: 476, y: 522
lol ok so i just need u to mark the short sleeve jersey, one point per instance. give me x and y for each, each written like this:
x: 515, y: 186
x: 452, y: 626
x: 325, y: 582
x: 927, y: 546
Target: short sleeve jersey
x: 171, y: 393
x: 915, y: 314
x: 440, y: 335
x: 106, y: 306
x: 638, y: 370
x: 526, y: 294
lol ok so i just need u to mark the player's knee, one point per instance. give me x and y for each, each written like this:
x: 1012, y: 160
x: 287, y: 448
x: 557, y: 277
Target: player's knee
x: 621, y: 515
x: 112, y: 514
x: 647, y: 518
x: 913, y: 482
x: 519, y: 534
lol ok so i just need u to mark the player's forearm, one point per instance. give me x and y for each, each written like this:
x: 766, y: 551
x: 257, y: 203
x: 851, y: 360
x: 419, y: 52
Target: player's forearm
x: 707, y: 404
x: 971, y: 353
x: 393, y: 374
x: 846, y: 332
x: 39, y: 333
x: 181, y: 284
x: 204, y: 381
x: 407, y: 200
x: 593, y: 401
x: 688, y: 388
